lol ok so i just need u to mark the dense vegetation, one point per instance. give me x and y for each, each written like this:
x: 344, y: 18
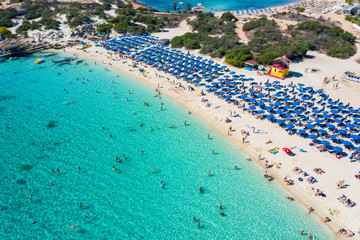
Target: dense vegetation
x: 204, y: 24
x: 128, y: 19
x: 268, y: 40
x: 207, y: 24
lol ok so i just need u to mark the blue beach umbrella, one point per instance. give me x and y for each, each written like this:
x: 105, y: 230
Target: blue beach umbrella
x: 326, y: 116
x: 228, y: 96
x: 280, y: 121
x: 252, y: 107
x: 221, y: 93
x: 244, y: 96
x: 301, y: 131
x: 342, y: 131
x: 279, y: 111
x: 325, y: 143
x: 334, y: 137
x: 313, y: 137
x: 310, y: 126
x: 337, y: 149
x: 347, y: 143
x: 334, y: 111
x: 270, y: 116
x: 322, y: 131
x: 319, y: 121
x: 260, y: 111
x: 355, y: 137
x: 291, y: 126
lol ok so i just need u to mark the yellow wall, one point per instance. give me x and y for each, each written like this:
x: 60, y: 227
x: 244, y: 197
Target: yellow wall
x: 279, y: 72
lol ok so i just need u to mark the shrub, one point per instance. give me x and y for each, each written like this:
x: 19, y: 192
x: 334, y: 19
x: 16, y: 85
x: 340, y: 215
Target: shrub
x: 104, y: 28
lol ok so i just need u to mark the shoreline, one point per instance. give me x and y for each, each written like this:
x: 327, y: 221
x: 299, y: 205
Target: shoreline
x: 214, y: 121
x: 137, y: 4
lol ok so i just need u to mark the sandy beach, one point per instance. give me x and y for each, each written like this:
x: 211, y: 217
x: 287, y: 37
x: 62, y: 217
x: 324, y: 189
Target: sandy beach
x: 255, y: 144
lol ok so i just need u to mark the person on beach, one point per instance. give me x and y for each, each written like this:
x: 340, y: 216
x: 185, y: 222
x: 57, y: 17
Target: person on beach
x: 310, y: 210
x: 290, y: 198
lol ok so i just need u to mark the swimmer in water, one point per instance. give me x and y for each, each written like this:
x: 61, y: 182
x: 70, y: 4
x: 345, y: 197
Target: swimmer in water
x: 235, y: 166
x: 80, y: 205
x: 200, y: 189
x: 151, y: 129
x: 198, y: 225
x: 208, y: 136
x: 153, y: 170
x: 185, y: 122
x: 73, y: 227
x: 194, y: 219
x: 220, y: 206
x: 30, y: 196
x: 79, y: 168
x: 52, y: 170
x: 212, y: 151
x: 114, y: 168
x: 209, y: 173
x: 222, y: 213
x: 87, y: 215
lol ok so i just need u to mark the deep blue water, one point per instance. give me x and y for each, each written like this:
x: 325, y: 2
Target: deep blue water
x: 41, y: 129
x: 216, y: 5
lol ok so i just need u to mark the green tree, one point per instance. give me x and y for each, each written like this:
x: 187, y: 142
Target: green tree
x: 268, y: 57
x: 177, y: 42
x: 228, y: 16
x: 106, y: 28
x: 191, y: 43
x: 122, y: 27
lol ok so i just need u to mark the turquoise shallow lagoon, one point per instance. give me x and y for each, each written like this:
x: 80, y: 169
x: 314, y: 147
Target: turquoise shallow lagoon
x: 130, y: 202
x: 216, y: 5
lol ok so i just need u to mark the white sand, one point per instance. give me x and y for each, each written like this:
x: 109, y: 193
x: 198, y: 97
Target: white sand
x: 335, y: 169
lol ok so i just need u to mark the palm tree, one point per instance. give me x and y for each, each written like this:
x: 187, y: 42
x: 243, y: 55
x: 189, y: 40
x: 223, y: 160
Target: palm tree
x: 174, y: 5
x: 188, y: 7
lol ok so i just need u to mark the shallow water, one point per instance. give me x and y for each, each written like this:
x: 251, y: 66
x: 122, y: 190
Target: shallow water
x: 130, y: 202
x: 216, y: 5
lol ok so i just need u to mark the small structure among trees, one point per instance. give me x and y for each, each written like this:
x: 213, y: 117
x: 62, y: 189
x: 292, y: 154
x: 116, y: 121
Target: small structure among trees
x: 280, y: 68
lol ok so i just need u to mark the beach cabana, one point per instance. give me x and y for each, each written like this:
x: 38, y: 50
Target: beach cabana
x: 251, y: 65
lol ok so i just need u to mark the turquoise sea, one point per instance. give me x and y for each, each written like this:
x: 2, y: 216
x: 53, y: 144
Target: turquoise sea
x: 40, y: 130
x: 216, y: 5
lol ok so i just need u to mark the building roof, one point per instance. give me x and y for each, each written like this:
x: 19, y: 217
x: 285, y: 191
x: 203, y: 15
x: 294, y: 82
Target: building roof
x: 251, y: 62
x: 283, y: 60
